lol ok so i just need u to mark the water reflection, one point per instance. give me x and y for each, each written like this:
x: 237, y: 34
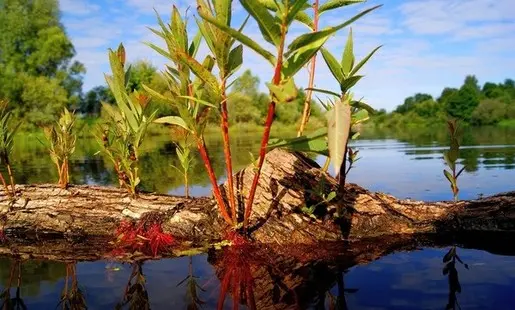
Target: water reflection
x: 387, y: 160
x: 135, y: 295
x: 257, y: 278
x: 72, y: 297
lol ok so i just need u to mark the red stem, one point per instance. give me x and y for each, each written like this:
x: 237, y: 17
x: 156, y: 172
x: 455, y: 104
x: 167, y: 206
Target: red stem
x: 266, y: 134
x: 201, y: 144
x: 227, y: 153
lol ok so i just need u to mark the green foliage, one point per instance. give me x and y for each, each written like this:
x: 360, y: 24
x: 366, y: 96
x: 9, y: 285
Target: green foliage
x: 36, y: 72
x: 489, y: 112
x: 451, y: 157
x: 183, y: 151
x: 126, y: 124
x: 7, y: 132
x: 491, y: 104
x: 62, y: 138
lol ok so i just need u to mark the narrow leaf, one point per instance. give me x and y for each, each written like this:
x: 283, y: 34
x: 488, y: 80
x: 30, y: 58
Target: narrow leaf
x: 209, y: 104
x: 333, y: 65
x: 323, y: 91
x: 172, y: 120
x: 334, y: 4
x: 235, y: 59
x: 295, y: 9
x: 245, y: 40
x: 348, y: 55
x: 364, y: 61
x: 268, y: 24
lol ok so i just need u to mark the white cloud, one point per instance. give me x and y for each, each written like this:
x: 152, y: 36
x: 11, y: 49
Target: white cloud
x: 428, y: 44
x: 78, y: 7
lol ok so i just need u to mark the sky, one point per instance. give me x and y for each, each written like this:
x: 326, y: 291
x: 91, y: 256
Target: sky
x: 426, y: 44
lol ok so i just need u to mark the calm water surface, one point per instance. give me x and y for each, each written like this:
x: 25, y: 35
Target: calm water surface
x: 404, y: 167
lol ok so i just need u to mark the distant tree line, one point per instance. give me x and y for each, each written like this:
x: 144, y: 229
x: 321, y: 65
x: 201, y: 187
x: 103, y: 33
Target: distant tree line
x: 491, y: 104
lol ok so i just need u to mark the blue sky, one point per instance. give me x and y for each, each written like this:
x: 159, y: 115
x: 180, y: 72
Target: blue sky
x: 427, y: 44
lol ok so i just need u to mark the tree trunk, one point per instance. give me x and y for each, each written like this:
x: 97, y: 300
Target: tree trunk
x: 287, y: 184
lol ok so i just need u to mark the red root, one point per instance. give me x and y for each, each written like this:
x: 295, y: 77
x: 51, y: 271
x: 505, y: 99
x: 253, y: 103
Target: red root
x: 147, y: 238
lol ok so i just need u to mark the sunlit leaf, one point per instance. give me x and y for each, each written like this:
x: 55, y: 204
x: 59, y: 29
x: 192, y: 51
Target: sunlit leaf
x: 294, y: 10
x: 284, y: 92
x: 338, y: 130
x: 268, y: 24
x: 333, y: 65
x: 315, y: 142
x: 334, y: 4
x: 349, y: 82
x: 348, y: 55
x: 245, y: 40
x: 364, y: 61
x: 172, y: 120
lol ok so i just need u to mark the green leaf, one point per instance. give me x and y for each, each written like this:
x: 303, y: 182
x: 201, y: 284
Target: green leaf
x: 334, y: 4
x: 349, y: 82
x: 305, y: 41
x: 284, y: 92
x: 361, y: 105
x: 245, y: 40
x: 195, y: 44
x: 172, y: 120
x: 330, y: 196
x: 178, y: 27
x: 315, y: 142
x: 338, y: 130
x: 333, y: 65
x: 364, y: 61
x: 223, y: 10
x: 305, y: 19
x: 200, y: 71
x: 323, y: 91
x: 268, y: 24
x: 348, y: 55
x: 294, y: 10
x: 459, y: 172
x: 209, y: 104
x: 449, y: 177
x: 360, y: 117
x: 235, y: 59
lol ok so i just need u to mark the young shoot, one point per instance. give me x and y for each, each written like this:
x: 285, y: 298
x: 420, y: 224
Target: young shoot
x: 126, y: 123
x: 62, y: 138
x: 451, y: 157
x: 183, y: 150
x: 7, y: 132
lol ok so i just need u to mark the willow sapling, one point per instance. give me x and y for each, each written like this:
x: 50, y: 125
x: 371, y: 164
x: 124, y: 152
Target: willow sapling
x: 451, y: 157
x: 62, y: 138
x: 7, y: 132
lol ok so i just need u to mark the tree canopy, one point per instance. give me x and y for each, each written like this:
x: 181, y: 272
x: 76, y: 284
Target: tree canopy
x: 491, y: 104
x: 37, y: 74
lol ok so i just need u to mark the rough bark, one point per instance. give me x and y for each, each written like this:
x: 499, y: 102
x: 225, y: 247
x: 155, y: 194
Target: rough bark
x: 286, y: 185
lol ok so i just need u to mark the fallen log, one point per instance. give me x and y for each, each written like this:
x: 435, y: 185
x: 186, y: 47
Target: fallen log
x: 287, y: 185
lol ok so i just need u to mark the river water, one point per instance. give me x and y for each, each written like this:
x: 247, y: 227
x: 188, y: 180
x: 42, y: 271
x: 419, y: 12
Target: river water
x: 406, y: 165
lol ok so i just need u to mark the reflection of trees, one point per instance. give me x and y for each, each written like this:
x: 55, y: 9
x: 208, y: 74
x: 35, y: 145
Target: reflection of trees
x: 452, y: 274
x: 135, y: 294
x: 72, y: 297
x: 33, y: 273
x: 16, y: 302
